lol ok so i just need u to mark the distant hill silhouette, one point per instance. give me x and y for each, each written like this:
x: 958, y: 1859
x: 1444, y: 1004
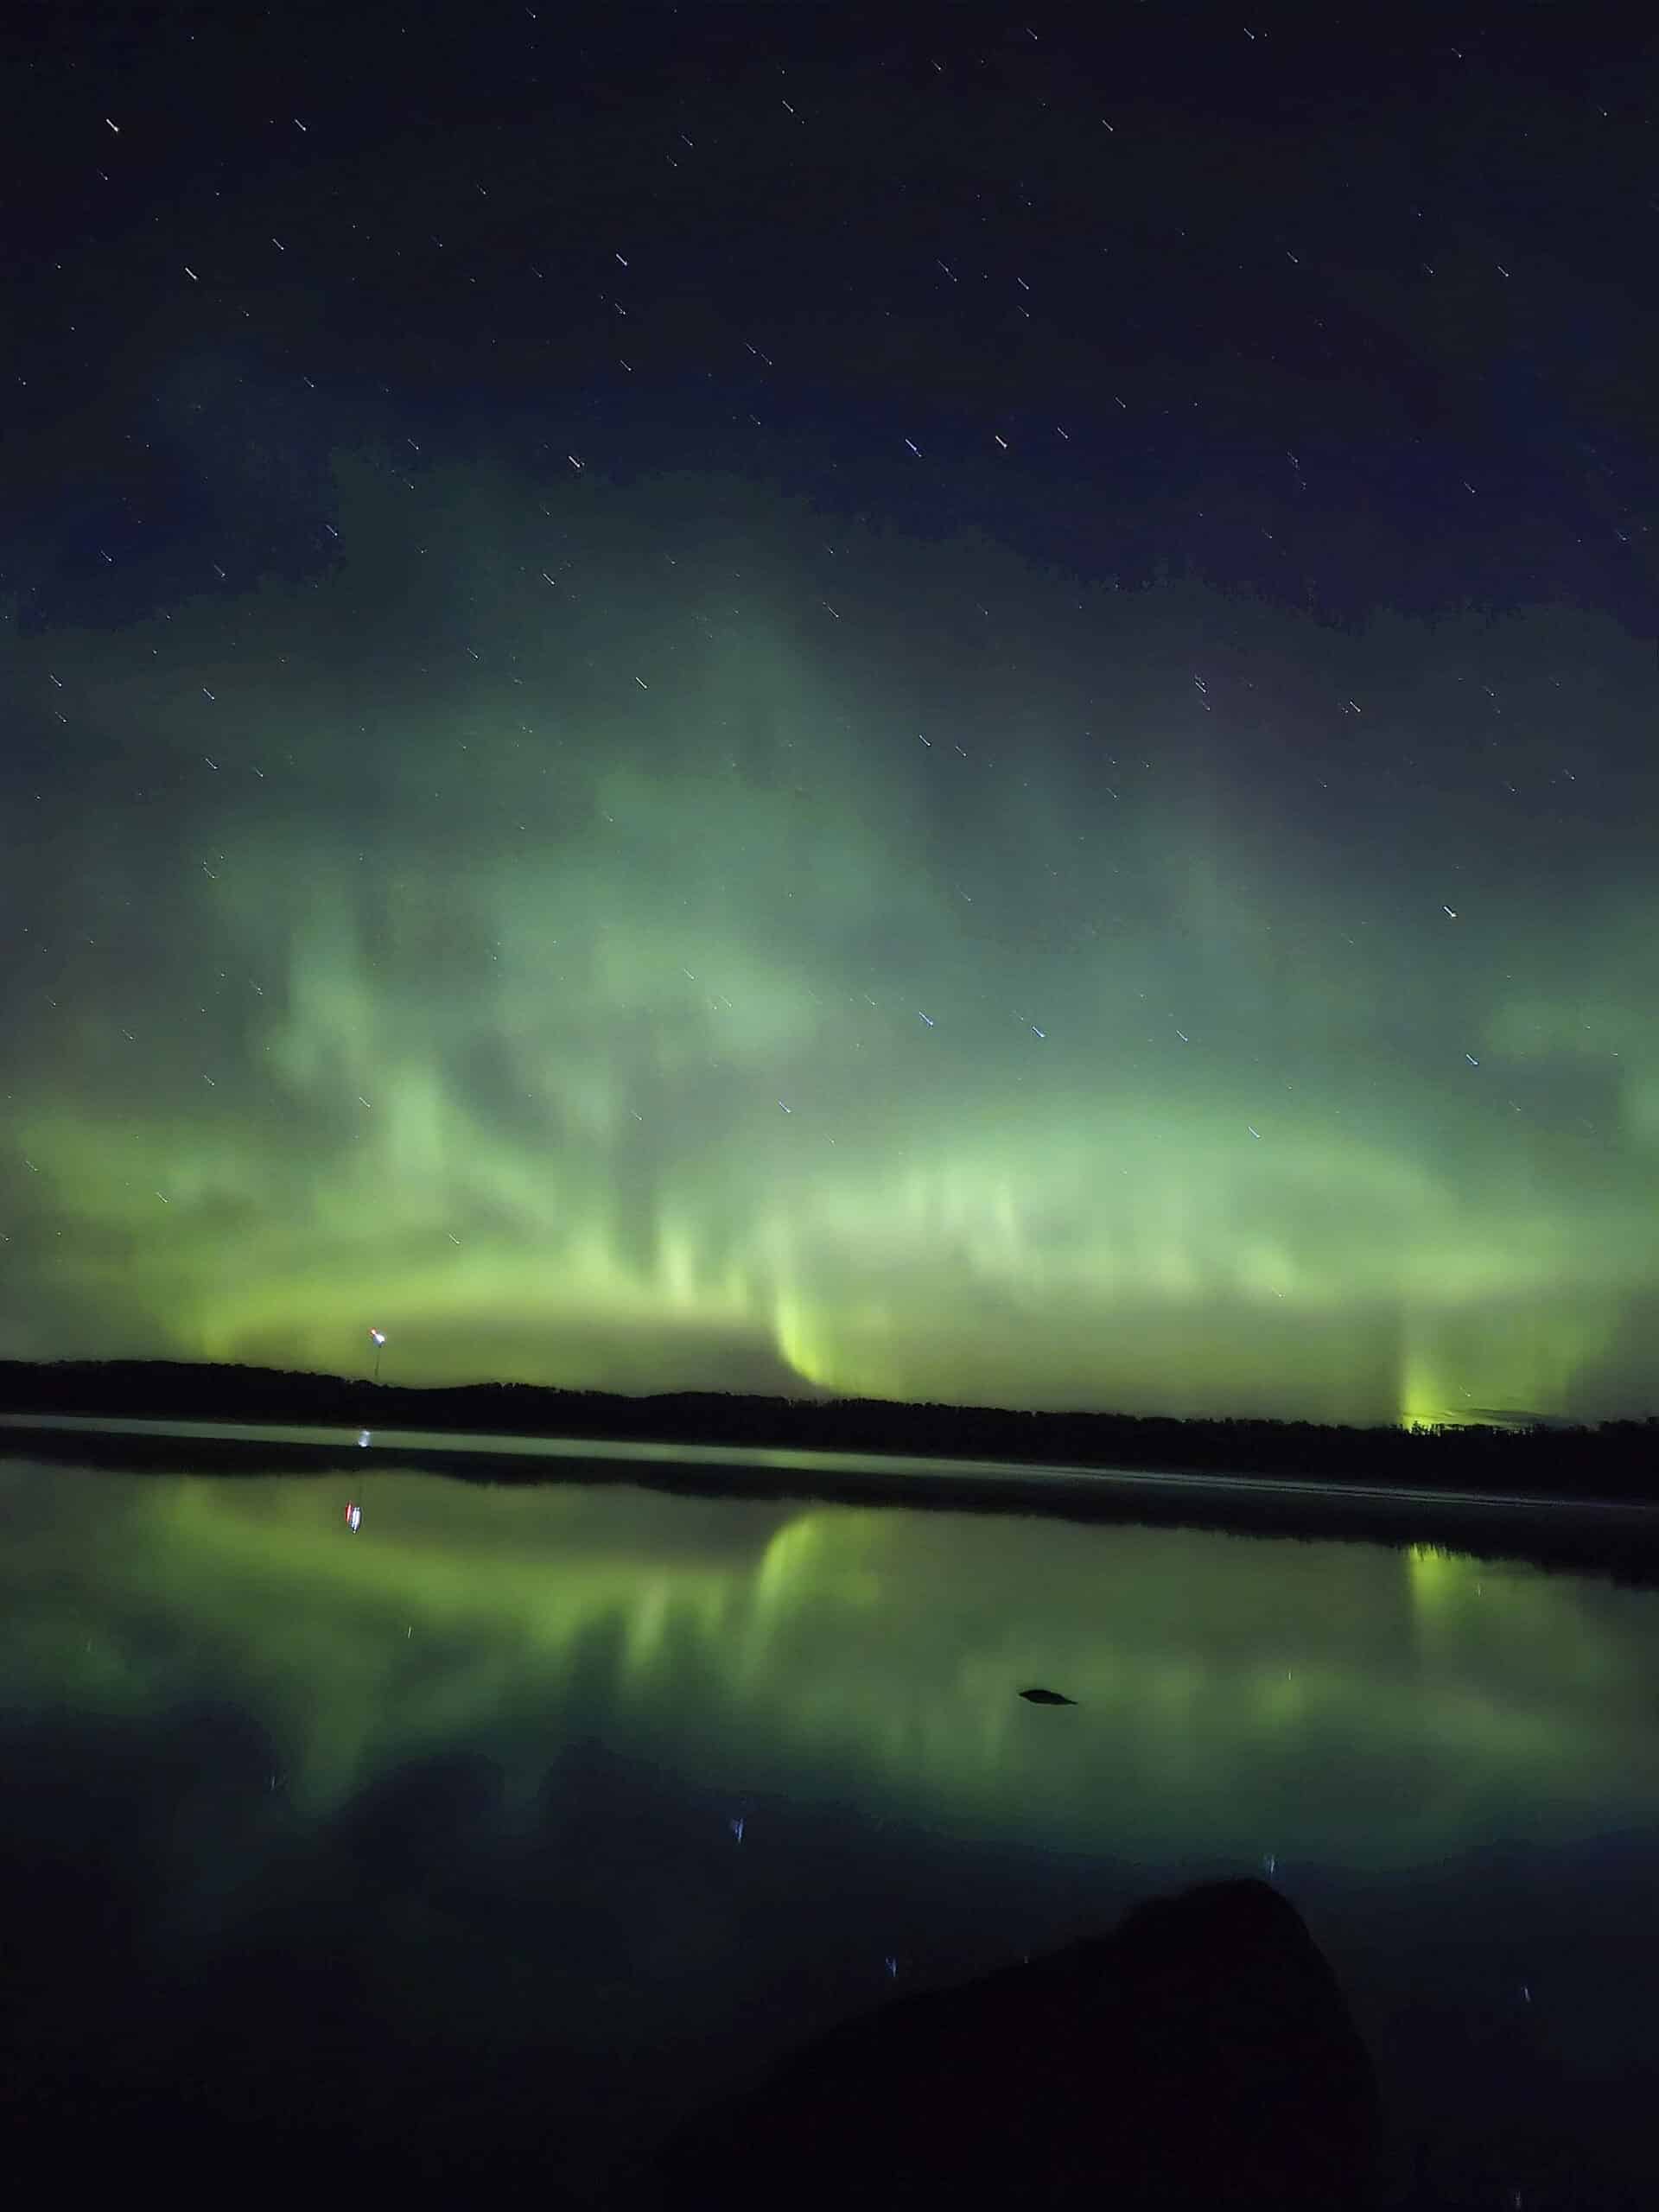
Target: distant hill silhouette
x: 1467, y: 1490
x: 1614, y: 1459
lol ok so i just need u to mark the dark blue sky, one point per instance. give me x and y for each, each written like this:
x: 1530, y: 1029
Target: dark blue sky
x: 1349, y: 318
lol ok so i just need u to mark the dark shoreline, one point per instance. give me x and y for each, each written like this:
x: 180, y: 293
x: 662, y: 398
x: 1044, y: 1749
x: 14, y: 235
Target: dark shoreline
x: 1618, y: 1541
x: 1507, y: 1454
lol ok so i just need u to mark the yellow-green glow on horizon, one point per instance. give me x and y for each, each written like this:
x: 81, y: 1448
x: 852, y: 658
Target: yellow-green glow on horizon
x: 633, y: 999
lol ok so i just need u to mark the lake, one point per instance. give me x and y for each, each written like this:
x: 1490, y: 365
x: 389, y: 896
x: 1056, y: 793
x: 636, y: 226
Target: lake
x: 529, y: 1817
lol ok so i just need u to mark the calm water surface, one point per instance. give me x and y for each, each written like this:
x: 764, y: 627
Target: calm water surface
x: 533, y: 1816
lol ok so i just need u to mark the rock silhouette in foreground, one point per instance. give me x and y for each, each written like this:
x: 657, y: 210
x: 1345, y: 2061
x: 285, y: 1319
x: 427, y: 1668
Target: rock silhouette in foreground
x: 1046, y: 1697
x: 1201, y: 2053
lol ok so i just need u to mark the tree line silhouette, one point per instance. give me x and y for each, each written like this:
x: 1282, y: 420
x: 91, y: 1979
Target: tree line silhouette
x: 1616, y: 1459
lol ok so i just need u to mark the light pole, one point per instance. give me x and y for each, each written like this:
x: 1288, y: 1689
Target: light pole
x: 377, y: 1339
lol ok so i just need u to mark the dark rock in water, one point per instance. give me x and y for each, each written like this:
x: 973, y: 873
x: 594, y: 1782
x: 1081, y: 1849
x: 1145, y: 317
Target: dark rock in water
x: 1201, y: 2055
x: 1047, y: 1697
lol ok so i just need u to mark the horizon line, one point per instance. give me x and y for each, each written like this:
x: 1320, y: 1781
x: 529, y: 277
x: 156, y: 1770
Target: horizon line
x: 1496, y: 1419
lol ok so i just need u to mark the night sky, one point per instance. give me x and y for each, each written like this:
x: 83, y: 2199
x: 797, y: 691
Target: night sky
x: 932, y: 704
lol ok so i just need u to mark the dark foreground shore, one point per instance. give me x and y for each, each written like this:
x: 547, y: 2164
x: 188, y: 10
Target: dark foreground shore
x: 1199, y: 2055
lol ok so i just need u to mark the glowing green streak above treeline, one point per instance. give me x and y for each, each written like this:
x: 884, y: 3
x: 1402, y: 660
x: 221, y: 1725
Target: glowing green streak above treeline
x: 617, y: 992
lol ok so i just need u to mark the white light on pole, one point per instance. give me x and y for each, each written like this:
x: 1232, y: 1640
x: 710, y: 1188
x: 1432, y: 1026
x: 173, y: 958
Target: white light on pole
x: 377, y: 1339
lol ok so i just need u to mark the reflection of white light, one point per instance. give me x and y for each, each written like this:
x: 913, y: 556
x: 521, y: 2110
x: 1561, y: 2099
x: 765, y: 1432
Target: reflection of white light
x: 363, y: 1439
x: 354, y: 1518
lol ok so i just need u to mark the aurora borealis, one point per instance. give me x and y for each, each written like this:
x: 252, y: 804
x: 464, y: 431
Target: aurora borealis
x: 991, y: 890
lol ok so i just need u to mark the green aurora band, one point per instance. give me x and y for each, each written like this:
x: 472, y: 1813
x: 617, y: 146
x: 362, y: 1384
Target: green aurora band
x: 657, y: 938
